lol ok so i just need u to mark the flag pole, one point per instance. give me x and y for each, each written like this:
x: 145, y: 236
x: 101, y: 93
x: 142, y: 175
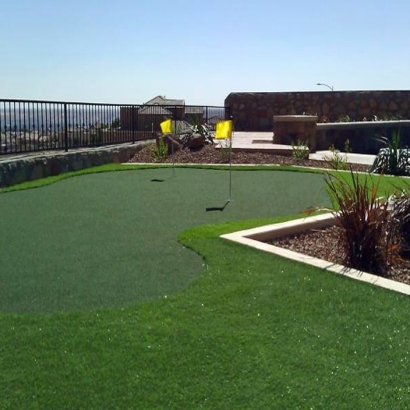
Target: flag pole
x: 230, y: 168
x: 172, y: 145
x: 224, y: 130
x: 166, y: 128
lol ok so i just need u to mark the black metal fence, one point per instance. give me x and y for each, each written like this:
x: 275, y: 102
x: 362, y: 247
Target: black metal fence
x: 30, y: 126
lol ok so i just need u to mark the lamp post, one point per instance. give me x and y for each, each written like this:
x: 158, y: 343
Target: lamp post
x: 325, y: 85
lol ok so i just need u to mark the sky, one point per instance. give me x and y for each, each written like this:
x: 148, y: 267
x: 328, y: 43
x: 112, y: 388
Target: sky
x: 129, y: 51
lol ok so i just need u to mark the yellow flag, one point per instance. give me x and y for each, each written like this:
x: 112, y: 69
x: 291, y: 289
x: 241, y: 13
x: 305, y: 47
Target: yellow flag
x: 224, y: 129
x: 166, y: 127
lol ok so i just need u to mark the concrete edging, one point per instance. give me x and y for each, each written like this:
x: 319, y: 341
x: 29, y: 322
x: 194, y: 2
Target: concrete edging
x: 253, y: 238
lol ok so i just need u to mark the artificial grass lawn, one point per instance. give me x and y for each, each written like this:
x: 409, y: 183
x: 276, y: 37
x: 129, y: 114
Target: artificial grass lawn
x: 106, y: 240
x: 253, y: 331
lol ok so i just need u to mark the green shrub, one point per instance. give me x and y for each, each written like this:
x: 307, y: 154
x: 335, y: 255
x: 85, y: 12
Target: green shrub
x: 393, y: 159
x: 337, y: 160
x: 225, y: 149
x: 348, y: 149
x: 344, y: 118
x: 300, y: 151
x: 161, y: 150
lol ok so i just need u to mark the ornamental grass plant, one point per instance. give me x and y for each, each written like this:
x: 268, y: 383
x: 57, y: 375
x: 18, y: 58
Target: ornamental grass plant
x: 300, y: 151
x: 401, y: 218
x: 369, y: 233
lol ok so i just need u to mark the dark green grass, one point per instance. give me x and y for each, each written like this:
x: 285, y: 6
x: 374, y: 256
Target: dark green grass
x: 126, y: 167
x: 104, y: 240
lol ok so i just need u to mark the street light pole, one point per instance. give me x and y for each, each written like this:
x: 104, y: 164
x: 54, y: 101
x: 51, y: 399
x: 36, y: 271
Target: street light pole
x: 325, y: 85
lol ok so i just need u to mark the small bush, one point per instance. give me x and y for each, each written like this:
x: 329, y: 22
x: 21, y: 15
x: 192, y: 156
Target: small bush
x: 344, y: 118
x: 338, y: 160
x: 225, y: 149
x: 161, y: 150
x: 348, y: 149
x: 300, y: 151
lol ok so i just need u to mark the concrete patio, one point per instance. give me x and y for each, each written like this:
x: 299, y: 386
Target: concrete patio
x: 262, y: 142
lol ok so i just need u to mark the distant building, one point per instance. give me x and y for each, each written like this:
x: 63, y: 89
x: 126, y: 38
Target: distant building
x: 148, y: 116
x: 214, y: 120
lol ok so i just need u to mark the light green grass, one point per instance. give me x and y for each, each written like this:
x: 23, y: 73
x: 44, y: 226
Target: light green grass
x: 252, y: 331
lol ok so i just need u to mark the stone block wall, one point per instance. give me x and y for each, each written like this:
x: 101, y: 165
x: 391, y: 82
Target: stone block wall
x: 255, y: 111
x: 288, y: 129
x: 28, y: 168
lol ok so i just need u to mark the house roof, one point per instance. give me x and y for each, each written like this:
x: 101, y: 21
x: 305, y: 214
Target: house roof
x: 161, y: 106
x: 189, y: 109
x: 215, y: 119
x: 160, y: 100
x: 154, y: 110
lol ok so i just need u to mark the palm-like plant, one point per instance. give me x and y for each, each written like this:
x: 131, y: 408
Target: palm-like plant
x: 393, y: 159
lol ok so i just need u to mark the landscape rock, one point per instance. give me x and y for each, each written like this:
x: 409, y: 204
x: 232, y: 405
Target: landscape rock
x: 197, y: 141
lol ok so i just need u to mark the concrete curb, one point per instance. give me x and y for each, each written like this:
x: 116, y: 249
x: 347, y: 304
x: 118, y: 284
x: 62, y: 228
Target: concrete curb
x: 254, y: 237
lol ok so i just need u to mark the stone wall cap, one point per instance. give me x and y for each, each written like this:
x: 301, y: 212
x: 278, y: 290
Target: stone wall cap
x: 295, y: 118
x: 362, y: 124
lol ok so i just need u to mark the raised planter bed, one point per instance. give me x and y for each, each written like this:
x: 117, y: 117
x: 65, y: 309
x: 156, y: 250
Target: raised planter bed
x: 257, y: 238
x: 361, y: 135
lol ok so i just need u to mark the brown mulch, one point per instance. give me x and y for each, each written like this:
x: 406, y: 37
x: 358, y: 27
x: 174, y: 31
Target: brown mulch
x: 210, y: 155
x: 322, y: 244
x: 326, y: 244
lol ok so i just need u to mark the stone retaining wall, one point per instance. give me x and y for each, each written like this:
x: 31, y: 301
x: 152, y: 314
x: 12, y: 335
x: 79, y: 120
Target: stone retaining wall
x: 30, y: 167
x: 255, y: 111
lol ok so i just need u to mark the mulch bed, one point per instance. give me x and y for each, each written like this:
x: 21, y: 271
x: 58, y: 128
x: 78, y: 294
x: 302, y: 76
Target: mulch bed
x: 210, y: 155
x: 326, y: 244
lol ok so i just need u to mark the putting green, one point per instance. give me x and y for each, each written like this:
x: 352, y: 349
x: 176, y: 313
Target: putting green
x: 110, y: 240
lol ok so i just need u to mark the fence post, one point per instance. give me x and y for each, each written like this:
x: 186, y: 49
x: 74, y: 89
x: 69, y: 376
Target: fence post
x: 133, y: 123
x: 65, y: 127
